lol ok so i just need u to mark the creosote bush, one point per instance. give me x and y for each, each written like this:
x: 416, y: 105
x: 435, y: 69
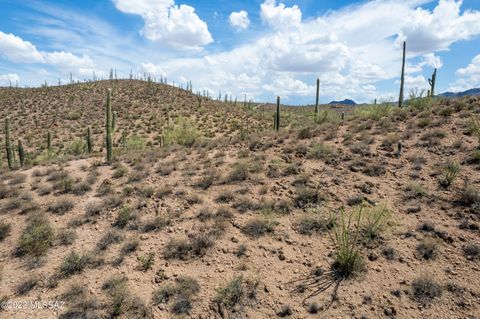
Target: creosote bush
x: 37, y: 237
x: 236, y: 292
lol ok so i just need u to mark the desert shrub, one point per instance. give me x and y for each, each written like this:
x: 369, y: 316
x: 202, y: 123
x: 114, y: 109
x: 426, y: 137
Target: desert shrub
x: 94, y: 208
x: 306, y: 197
x: 285, y: 311
x: 124, y: 216
x: 76, y: 148
x: 120, y: 171
x: 182, y: 132
x: 374, y: 221
x: 61, y: 206
x: 180, y: 293
x: 374, y: 112
x: 110, y: 237
x: 258, y: 227
x: 4, y: 230
x: 164, y: 191
x: 427, y: 249
x: 450, y: 172
x: 239, y: 173
x: 26, y: 286
x: 225, y: 197
x: 425, y: 290
x: 135, y: 142
x: 415, y: 190
x: 236, y: 292
x: 308, y: 225
x: 472, y: 251
x: 66, y: 237
x: 347, y: 239
x: 37, y: 237
x: 155, y: 224
x: 320, y: 151
x: 146, y: 261
x: 73, y: 263
x: 196, y: 246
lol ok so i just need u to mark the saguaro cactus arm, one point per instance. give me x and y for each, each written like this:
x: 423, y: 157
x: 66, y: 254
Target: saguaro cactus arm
x: 402, y: 79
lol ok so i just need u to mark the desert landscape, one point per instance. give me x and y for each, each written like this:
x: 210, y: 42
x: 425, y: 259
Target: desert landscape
x: 323, y: 218
x: 243, y: 159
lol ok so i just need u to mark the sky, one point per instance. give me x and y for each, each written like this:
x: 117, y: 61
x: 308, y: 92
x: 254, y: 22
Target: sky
x: 258, y: 48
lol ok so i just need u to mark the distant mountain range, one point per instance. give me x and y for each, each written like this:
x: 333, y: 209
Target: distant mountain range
x: 446, y: 94
x: 460, y: 94
x: 344, y: 102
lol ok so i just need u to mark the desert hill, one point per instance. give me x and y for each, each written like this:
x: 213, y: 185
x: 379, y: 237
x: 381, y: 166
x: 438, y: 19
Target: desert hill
x: 207, y: 212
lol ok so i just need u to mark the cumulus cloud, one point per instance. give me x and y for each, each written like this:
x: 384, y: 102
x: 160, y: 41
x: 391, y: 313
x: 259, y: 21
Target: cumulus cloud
x: 175, y: 26
x: 427, y: 31
x: 18, y: 50
x: 68, y: 61
x: 468, y: 77
x: 9, y: 79
x: 279, y: 16
x: 152, y: 69
x: 239, y: 20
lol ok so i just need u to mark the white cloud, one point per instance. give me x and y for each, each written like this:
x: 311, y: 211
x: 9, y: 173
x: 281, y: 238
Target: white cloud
x: 472, y: 69
x: 468, y: 77
x: 239, y: 20
x: 279, y: 16
x: 9, y: 79
x: 18, y: 50
x: 68, y: 61
x: 427, y: 31
x: 175, y: 26
x: 152, y: 69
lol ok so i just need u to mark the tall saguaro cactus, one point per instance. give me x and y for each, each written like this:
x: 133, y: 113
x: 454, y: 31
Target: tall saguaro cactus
x: 89, y: 140
x: 318, y: 95
x: 49, y: 143
x: 402, y: 79
x: 432, y: 83
x: 108, y: 126
x: 8, y: 143
x: 276, y: 123
x: 21, y: 153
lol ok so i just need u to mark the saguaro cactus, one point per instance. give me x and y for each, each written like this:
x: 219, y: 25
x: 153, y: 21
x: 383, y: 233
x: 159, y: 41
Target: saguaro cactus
x: 8, y: 145
x: 318, y: 95
x: 432, y: 83
x: 402, y: 79
x: 89, y: 140
x: 49, y: 142
x: 276, y: 124
x: 114, y: 120
x: 21, y: 153
x: 108, y: 126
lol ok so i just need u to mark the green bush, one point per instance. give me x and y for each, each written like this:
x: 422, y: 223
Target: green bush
x: 37, y: 237
x: 76, y: 148
x: 182, y: 132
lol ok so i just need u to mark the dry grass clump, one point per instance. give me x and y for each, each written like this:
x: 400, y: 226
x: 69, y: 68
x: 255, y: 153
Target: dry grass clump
x: 258, y: 227
x: 179, y: 294
x: 236, y: 294
x: 61, y: 206
x: 196, y: 246
x: 5, y: 229
x: 425, y: 290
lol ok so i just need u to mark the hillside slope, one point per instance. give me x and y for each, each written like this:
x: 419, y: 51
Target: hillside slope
x: 238, y: 227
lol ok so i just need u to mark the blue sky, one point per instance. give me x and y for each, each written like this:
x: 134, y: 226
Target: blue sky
x: 262, y: 48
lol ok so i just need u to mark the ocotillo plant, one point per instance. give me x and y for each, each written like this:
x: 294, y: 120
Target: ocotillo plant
x: 276, y: 124
x: 8, y: 145
x: 432, y: 83
x: 108, y: 126
x: 318, y: 94
x: 89, y: 140
x: 49, y: 142
x: 21, y: 153
x: 402, y: 79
